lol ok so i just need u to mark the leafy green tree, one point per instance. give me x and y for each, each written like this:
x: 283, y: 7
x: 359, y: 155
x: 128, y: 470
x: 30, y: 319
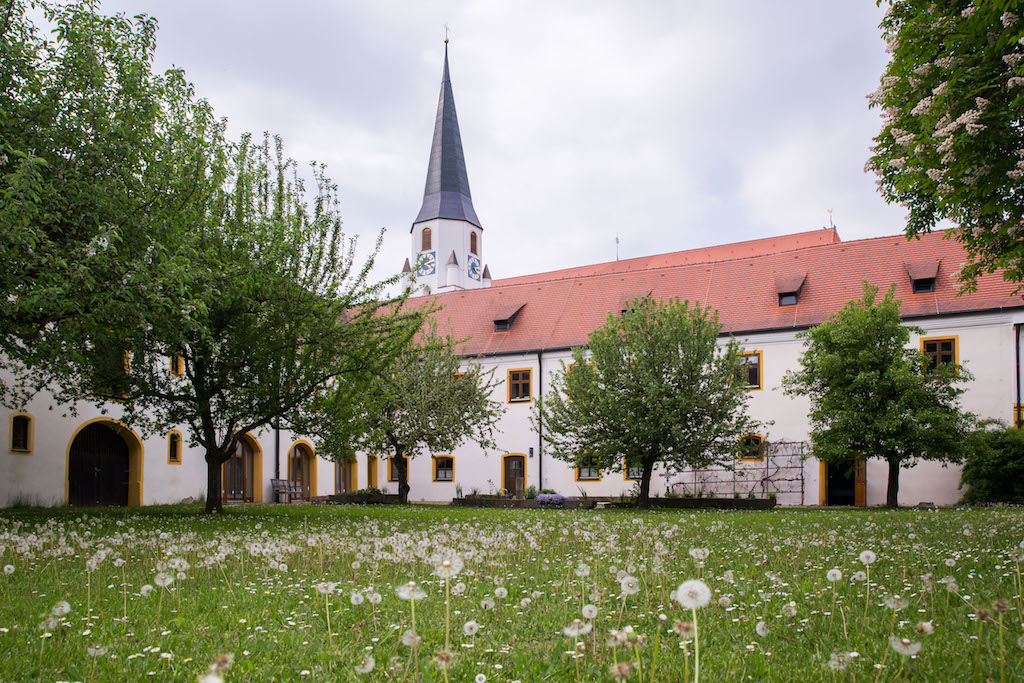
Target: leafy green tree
x: 422, y: 400
x: 952, y: 140
x: 101, y: 161
x: 994, y: 466
x: 873, y: 397
x: 274, y: 309
x: 655, y: 386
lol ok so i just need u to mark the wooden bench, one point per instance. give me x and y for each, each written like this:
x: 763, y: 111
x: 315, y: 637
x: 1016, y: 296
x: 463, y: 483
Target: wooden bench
x: 285, y: 491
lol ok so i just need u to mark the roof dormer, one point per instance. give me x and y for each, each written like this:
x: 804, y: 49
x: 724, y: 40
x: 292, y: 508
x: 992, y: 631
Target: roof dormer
x: 788, y: 288
x: 922, y: 275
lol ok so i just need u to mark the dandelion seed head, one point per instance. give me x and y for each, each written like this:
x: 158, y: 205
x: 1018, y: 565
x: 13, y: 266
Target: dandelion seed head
x: 693, y: 594
x: 868, y: 557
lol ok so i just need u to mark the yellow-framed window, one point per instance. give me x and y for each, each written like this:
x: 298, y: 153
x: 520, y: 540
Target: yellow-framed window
x: 520, y: 385
x: 632, y: 471
x: 371, y: 471
x: 393, y: 471
x: 587, y: 469
x: 751, y: 448
x: 22, y: 431
x: 748, y: 374
x: 176, y: 365
x: 444, y: 468
x: 174, y: 447
x: 1018, y: 415
x: 940, y: 351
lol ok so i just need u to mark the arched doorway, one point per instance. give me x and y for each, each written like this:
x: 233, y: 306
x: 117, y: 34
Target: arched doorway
x: 302, y: 469
x: 104, y: 466
x: 237, y: 474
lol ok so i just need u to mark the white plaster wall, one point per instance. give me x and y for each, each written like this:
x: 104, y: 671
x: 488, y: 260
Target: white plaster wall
x: 447, y: 236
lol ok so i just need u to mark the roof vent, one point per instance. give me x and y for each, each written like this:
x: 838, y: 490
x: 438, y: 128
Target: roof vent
x: 922, y: 275
x: 505, y: 316
x: 788, y: 288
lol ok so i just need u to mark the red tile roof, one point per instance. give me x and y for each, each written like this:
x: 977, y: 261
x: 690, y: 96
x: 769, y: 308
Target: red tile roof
x: 721, y: 252
x: 561, y: 311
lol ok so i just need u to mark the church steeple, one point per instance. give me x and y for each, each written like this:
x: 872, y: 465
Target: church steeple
x: 447, y: 222
x: 446, y: 194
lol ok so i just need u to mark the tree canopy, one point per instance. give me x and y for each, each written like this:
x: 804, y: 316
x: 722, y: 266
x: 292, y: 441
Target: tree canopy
x: 426, y: 398
x: 156, y: 269
x: 873, y: 397
x: 952, y: 140
x: 653, y: 386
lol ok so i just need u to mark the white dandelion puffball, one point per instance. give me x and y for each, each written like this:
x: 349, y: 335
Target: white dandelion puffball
x: 145, y: 590
x: 583, y: 570
x: 8, y: 569
x: 410, y: 591
x: 61, y: 608
x: 868, y: 557
x: 589, y: 611
x: 834, y: 575
x: 629, y: 584
x: 500, y: 592
x: 904, y: 646
x: 487, y: 603
x: 375, y: 598
x: 163, y: 579
x: 366, y: 666
x: 448, y: 567
x: 459, y: 588
x: 859, y: 576
x: 761, y: 629
x: 578, y: 627
x: 410, y: 637
x: 480, y: 678
x: 470, y: 628
x: 356, y: 599
x: 699, y: 554
x: 693, y: 594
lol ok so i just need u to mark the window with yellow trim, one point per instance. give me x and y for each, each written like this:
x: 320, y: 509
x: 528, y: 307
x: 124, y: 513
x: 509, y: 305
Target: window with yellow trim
x: 371, y: 471
x: 632, y: 471
x: 519, y: 386
x: 444, y: 468
x: 176, y: 365
x: 22, y: 426
x: 393, y: 471
x: 174, y: 447
x: 1018, y: 415
x: 587, y: 469
x: 751, y: 448
x: 939, y: 351
x: 748, y: 373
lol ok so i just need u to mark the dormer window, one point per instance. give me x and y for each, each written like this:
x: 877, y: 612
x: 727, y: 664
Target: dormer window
x: 472, y: 244
x: 425, y: 241
x: 505, y: 316
x: 922, y: 275
x: 788, y: 288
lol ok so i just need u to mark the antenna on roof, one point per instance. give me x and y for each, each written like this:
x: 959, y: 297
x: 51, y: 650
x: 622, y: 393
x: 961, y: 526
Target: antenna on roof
x: 830, y: 218
x: 616, y: 247
x: 447, y: 31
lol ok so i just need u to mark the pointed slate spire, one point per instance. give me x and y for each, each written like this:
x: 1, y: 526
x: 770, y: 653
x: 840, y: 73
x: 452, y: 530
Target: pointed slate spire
x: 446, y: 194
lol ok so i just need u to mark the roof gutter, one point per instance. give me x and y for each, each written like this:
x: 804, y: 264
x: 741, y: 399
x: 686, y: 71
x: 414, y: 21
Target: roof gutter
x: 540, y: 414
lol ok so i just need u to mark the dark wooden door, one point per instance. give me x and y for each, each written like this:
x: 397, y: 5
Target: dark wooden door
x: 98, y: 467
x: 515, y: 474
x: 237, y: 475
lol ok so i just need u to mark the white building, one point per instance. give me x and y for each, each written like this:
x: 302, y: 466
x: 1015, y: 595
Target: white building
x: 766, y: 291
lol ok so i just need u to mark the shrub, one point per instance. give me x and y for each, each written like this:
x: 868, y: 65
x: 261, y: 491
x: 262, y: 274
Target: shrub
x: 531, y: 492
x: 550, y: 498
x: 994, y: 471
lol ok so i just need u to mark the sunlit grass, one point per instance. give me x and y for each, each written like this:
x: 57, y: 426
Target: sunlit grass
x: 792, y: 598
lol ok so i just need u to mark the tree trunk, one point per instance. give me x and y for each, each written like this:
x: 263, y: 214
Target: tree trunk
x: 893, y: 493
x: 643, y: 501
x: 401, y: 465
x: 214, y: 482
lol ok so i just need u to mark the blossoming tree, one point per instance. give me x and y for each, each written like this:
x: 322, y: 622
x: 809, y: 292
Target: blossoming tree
x: 952, y: 139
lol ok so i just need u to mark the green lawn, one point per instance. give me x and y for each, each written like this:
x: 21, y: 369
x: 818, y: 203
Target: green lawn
x: 261, y: 582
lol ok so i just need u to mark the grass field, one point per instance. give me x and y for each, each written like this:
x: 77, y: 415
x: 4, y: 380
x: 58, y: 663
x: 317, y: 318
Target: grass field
x: 313, y: 593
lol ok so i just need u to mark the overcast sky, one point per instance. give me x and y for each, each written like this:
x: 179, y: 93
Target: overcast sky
x: 672, y: 124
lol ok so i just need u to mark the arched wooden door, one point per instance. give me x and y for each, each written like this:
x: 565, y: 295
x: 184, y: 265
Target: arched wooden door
x: 98, y: 465
x: 237, y: 474
x: 300, y: 462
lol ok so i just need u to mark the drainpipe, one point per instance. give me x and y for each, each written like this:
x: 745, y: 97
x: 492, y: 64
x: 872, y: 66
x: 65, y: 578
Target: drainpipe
x: 277, y: 449
x: 540, y: 419
x: 1017, y: 418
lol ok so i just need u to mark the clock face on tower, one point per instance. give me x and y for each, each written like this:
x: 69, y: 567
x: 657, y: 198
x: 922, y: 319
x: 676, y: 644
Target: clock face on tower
x: 474, y: 267
x: 428, y: 262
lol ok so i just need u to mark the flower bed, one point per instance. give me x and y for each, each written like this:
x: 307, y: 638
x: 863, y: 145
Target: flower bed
x: 703, y: 503
x: 529, y: 503
x: 363, y: 498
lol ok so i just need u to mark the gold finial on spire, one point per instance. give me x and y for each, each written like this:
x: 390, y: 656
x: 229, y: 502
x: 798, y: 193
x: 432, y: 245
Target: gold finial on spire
x: 447, y: 30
